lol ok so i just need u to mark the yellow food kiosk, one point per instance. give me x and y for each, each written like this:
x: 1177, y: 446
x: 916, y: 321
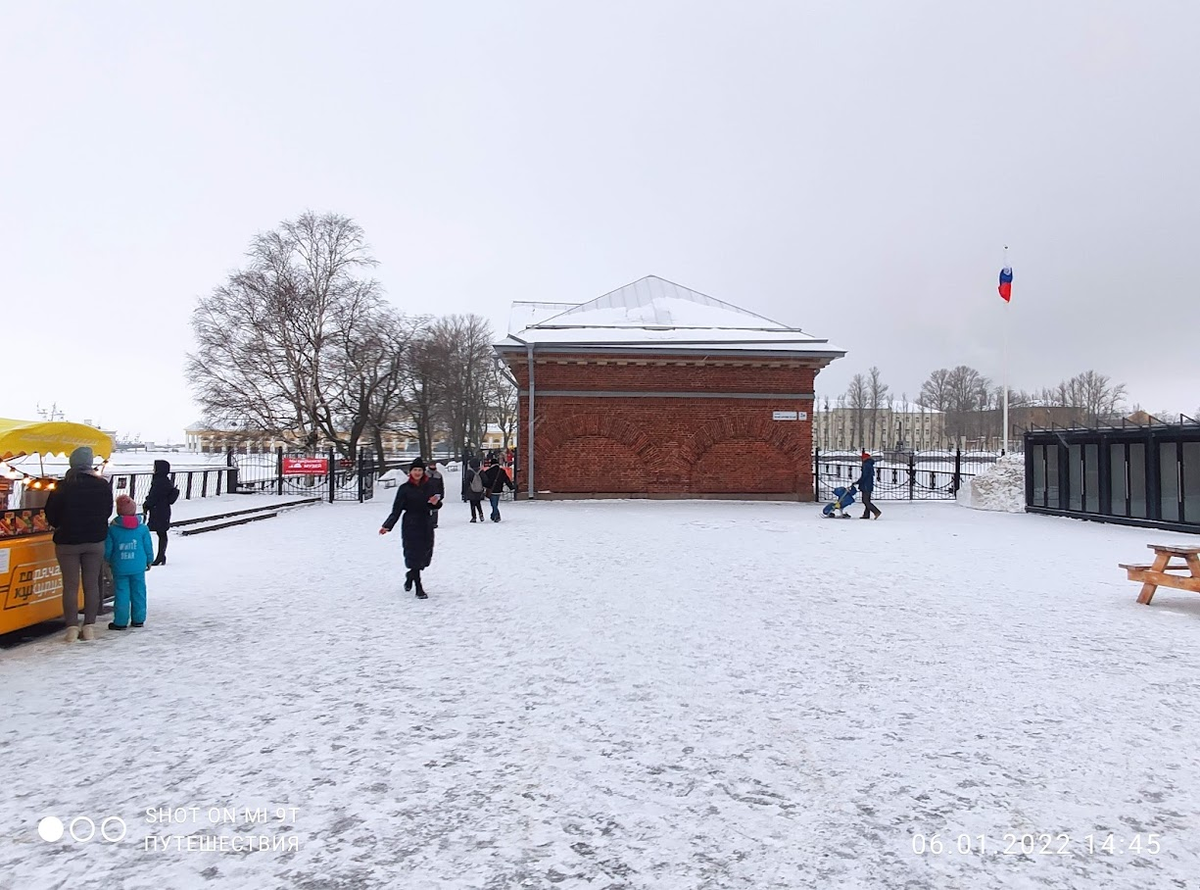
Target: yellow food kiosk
x: 30, y: 583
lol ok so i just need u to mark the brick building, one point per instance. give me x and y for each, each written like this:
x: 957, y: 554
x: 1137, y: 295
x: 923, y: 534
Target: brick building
x: 655, y: 390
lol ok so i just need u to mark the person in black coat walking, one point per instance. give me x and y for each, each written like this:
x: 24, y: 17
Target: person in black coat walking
x: 161, y: 496
x: 473, y: 489
x: 437, y: 484
x: 866, y: 485
x: 495, y: 479
x: 78, y: 510
x: 418, y: 502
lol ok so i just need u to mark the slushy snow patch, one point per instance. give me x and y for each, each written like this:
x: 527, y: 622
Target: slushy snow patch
x: 1002, y: 488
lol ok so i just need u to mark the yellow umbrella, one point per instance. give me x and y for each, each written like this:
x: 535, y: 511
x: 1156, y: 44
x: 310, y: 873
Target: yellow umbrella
x: 50, y: 437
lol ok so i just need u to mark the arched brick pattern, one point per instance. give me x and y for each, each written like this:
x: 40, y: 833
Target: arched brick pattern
x: 746, y: 453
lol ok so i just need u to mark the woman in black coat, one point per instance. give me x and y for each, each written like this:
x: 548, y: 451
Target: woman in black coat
x: 162, y: 495
x: 417, y: 500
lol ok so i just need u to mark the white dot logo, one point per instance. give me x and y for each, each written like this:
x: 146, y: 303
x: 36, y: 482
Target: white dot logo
x: 50, y: 829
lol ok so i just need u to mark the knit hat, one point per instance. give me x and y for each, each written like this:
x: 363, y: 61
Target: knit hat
x: 417, y: 464
x: 81, y: 458
x: 126, y: 506
x: 494, y: 462
x: 865, y: 455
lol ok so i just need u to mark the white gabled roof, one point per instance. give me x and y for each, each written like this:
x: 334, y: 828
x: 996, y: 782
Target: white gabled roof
x: 655, y: 313
x: 654, y: 302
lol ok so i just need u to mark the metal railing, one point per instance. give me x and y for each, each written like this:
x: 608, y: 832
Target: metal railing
x: 901, y: 476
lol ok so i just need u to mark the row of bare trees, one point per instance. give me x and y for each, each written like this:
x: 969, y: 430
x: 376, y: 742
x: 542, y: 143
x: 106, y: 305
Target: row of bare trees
x: 970, y: 403
x: 300, y: 344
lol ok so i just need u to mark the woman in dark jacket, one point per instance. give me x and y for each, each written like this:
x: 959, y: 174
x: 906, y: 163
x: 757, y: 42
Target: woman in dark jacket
x: 418, y: 501
x: 78, y: 510
x: 162, y: 495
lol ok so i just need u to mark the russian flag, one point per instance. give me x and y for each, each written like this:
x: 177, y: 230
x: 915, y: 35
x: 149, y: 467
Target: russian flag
x: 1005, y: 284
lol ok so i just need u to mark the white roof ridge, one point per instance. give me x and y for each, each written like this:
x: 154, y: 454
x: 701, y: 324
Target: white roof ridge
x: 680, y: 292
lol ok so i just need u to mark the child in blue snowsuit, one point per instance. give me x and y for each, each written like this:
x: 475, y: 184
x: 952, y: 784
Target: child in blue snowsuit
x: 130, y: 551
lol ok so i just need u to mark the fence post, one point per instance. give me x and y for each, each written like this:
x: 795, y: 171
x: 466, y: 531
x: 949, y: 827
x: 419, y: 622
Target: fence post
x: 816, y: 474
x: 957, y: 471
x: 279, y: 470
x: 188, y: 496
x: 332, y: 475
x: 133, y: 485
x: 232, y: 487
x: 912, y: 475
x: 204, y: 483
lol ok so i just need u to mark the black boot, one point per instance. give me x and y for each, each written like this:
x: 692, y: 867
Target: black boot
x: 408, y: 580
x: 421, y: 594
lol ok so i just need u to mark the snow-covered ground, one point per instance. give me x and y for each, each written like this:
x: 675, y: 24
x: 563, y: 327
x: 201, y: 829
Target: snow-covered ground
x: 622, y: 695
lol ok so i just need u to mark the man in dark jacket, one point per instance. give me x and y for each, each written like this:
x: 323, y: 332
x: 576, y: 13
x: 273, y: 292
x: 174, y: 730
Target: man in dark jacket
x: 495, y: 480
x: 78, y: 510
x: 161, y: 496
x: 866, y: 485
x: 418, y: 503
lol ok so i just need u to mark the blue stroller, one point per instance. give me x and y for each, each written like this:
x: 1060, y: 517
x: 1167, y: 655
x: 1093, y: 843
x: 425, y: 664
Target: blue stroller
x: 844, y: 499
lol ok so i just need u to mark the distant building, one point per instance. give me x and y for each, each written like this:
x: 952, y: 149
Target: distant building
x: 201, y: 438
x: 911, y: 428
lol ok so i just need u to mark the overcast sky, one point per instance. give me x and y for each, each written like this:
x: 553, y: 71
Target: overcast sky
x: 854, y: 168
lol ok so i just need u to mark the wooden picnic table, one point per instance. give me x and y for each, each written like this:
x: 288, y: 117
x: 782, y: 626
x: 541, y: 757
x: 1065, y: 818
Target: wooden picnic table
x: 1163, y: 573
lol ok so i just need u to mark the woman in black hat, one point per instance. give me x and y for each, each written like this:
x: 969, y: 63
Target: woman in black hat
x: 418, y: 501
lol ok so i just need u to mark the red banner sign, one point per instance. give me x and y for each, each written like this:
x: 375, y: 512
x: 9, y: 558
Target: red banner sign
x: 305, y: 466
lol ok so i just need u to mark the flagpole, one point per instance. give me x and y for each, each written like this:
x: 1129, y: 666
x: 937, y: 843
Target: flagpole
x: 1004, y: 446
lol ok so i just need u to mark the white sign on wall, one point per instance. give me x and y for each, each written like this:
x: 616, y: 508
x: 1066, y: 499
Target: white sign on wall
x: 785, y: 415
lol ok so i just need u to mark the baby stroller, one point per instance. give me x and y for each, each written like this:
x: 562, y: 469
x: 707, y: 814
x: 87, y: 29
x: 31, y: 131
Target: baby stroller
x: 843, y: 500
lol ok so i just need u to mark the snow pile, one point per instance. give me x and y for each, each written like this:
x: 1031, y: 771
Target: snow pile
x: 1002, y: 488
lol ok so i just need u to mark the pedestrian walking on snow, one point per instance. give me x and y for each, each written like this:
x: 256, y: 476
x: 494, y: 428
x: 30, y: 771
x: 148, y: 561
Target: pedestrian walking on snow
x: 866, y: 485
x: 78, y: 511
x: 159, y: 499
x: 130, y: 552
x: 437, y: 484
x: 495, y: 480
x: 473, y: 489
x: 418, y: 503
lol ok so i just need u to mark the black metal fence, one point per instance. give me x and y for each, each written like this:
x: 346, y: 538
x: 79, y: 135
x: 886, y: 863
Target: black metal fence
x: 1145, y: 476
x: 210, y: 483
x: 307, y: 474
x: 901, y: 475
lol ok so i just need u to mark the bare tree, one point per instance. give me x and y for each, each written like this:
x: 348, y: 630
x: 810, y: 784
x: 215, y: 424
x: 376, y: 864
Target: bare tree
x: 935, y: 391
x: 506, y: 406
x: 1095, y: 398
x: 465, y: 386
x: 271, y: 340
x: 968, y: 397
x: 421, y: 375
x: 877, y: 395
x: 857, y: 400
x: 1100, y: 398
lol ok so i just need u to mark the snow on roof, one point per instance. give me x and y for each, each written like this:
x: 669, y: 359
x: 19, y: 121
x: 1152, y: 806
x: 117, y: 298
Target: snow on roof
x: 656, y: 302
x: 653, y: 312
x: 526, y: 313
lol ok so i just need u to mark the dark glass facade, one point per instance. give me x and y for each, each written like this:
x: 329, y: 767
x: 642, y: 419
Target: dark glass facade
x: 1144, y: 475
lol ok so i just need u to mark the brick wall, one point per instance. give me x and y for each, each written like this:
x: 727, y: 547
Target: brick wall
x: 669, y: 446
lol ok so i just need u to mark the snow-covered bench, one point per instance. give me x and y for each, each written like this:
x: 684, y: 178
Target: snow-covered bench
x: 1160, y: 572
